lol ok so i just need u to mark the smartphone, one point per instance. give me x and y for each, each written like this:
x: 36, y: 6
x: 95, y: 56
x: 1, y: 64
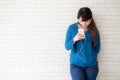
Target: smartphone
x: 81, y: 31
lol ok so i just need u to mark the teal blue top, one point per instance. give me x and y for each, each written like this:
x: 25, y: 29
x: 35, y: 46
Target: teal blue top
x: 82, y: 52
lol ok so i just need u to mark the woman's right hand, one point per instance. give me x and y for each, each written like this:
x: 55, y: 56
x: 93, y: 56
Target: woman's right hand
x: 78, y: 37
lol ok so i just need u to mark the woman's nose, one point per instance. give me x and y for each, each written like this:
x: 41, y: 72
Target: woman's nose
x: 84, y: 23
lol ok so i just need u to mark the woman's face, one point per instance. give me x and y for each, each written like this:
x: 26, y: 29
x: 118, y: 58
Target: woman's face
x: 85, y: 24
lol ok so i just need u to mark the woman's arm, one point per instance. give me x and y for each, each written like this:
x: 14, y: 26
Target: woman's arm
x: 69, y: 41
x: 97, y: 48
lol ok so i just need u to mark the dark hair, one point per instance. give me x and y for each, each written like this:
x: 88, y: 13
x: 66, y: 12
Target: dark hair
x: 85, y: 13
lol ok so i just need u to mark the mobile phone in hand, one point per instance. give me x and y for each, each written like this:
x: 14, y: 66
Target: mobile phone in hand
x: 81, y: 31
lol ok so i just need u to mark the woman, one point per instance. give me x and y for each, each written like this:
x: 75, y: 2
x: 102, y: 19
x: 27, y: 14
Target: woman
x: 84, y: 47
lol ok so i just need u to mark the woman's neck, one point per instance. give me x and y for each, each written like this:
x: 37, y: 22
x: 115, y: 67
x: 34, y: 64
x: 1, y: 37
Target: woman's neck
x: 85, y: 29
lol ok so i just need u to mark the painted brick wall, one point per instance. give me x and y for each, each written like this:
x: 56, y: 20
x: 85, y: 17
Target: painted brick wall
x: 32, y: 34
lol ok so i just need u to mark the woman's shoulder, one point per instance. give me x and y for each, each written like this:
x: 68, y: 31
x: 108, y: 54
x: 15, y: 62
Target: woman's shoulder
x: 73, y: 25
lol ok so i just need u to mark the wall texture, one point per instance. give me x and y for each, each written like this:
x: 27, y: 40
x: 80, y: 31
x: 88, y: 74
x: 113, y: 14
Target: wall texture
x: 32, y: 34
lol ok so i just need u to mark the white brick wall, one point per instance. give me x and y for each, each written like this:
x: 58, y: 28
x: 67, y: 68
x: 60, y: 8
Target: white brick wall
x: 32, y: 34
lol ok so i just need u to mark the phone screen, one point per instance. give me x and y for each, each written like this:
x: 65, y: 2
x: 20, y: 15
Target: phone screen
x: 81, y: 31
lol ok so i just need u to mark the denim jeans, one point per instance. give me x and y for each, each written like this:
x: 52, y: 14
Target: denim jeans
x: 83, y: 72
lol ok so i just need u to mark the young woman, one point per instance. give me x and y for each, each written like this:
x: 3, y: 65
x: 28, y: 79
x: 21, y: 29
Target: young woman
x: 84, y: 47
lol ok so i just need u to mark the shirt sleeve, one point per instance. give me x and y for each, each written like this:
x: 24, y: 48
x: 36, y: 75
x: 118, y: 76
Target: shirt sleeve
x: 97, y: 48
x: 69, y: 43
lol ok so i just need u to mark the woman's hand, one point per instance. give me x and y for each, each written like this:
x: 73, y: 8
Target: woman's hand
x: 78, y: 37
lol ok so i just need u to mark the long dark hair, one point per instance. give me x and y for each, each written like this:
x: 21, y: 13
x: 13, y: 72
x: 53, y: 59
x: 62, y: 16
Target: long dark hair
x: 85, y: 13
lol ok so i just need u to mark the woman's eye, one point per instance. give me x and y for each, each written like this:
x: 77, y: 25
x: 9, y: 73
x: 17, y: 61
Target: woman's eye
x: 81, y: 21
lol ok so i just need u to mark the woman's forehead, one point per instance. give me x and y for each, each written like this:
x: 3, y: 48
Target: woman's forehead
x: 81, y: 19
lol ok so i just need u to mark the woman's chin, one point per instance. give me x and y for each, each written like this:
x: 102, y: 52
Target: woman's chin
x: 85, y: 27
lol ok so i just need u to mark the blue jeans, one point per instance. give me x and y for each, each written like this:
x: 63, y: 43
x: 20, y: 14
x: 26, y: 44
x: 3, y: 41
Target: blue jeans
x: 83, y: 72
